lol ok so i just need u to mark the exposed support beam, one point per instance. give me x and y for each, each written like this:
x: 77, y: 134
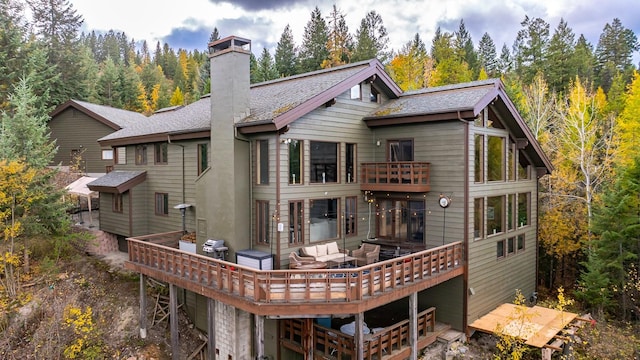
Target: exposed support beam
x: 143, y: 307
x: 173, y: 321
x: 359, y: 336
x: 259, y: 336
x: 413, y: 324
x: 211, y: 329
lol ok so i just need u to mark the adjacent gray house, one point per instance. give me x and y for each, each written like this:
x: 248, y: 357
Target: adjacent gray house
x: 75, y: 125
x: 443, y: 180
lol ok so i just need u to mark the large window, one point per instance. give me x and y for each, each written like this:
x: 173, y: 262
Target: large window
x: 495, y: 158
x: 162, y: 204
x: 141, y: 154
x: 350, y: 163
x: 511, y: 162
x: 478, y: 217
x: 161, y: 153
x: 262, y: 222
x: 296, y: 222
x: 323, y: 219
x: 295, y: 162
x: 121, y: 155
x: 350, y: 216
x: 262, y: 162
x: 495, y: 215
x: 324, y: 162
x: 523, y: 209
x: 401, y: 220
x: 523, y: 168
x: 203, y: 157
x: 479, y: 159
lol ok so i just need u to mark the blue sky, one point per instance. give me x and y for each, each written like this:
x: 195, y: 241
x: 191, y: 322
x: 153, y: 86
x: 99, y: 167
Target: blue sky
x: 188, y: 23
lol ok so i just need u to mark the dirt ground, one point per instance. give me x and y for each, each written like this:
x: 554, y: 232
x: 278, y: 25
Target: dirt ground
x: 39, y: 330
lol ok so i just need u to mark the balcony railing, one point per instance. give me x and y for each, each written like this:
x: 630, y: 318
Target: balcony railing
x: 406, y: 176
x: 255, y: 289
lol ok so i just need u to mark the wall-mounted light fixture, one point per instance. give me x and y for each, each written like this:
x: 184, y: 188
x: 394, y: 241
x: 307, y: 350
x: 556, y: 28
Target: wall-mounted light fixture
x: 286, y: 141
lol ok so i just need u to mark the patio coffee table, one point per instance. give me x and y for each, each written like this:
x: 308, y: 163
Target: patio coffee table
x: 340, y: 261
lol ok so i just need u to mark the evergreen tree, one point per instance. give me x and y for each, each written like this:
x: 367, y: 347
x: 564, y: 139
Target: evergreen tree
x: 583, y: 59
x: 266, y: 69
x: 215, y: 36
x: 450, y: 67
x: 286, y: 58
x: 560, y: 68
x: 313, y: 50
x: 505, y: 62
x: 253, y: 69
x: 24, y: 134
x: 628, y: 125
x: 530, y: 48
x: 371, y: 39
x: 614, y: 53
x: 13, y: 34
x: 487, y: 55
x: 108, y: 87
x: 57, y: 25
x: 177, y: 98
x: 411, y: 67
x: 339, y: 42
x: 465, y: 49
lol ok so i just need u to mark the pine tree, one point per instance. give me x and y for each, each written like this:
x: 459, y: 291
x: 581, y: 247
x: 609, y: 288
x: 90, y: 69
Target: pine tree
x: 487, y: 55
x: 614, y: 53
x: 505, y: 62
x: 177, y: 98
x: 215, y: 36
x: 371, y: 39
x: 450, y: 68
x: 584, y: 60
x: 313, y: 50
x: 13, y: 34
x: 560, y: 68
x: 108, y: 87
x: 465, y: 49
x: 286, y: 58
x: 24, y: 134
x: 266, y: 69
x: 339, y: 42
x: 530, y: 48
x: 57, y: 25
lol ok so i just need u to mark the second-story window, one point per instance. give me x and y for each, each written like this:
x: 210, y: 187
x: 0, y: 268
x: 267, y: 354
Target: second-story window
x: 262, y: 162
x: 350, y: 163
x: 161, y: 153
x: 324, y: 162
x: 495, y: 158
x: 141, y: 154
x: 203, y: 157
x: 121, y: 155
x: 479, y: 159
x: 296, y: 222
x: 295, y: 162
x: 400, y: 150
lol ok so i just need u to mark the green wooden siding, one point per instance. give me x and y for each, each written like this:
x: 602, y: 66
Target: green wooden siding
x: 72, y: 130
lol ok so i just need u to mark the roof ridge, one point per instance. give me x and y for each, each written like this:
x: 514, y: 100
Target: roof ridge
x: 314, y: 73
x: 469, y: 84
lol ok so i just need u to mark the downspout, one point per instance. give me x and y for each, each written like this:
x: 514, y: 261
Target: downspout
x: 277, y: 258
x: 465, y: 277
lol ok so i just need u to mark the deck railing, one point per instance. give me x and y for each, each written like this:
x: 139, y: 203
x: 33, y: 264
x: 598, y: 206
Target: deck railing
x: 332, y: 343
x: 407, y: 176
x: 291, y: 286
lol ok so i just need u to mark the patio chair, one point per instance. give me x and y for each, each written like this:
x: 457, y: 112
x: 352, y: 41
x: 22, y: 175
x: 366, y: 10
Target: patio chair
x: 296, y: 260
x: 366, y: 254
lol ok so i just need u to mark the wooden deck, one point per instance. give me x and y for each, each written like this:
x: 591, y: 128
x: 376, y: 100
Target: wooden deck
x: 390, y: 343
x: 405, y: 176
x: 294, y: 292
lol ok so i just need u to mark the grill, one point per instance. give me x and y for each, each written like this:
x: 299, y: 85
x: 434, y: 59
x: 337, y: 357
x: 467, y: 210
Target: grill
x: 215, y: 249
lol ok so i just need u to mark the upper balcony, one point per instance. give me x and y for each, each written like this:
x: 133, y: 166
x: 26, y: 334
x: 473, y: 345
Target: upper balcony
x: 403, y: 176
x: 294, y: 292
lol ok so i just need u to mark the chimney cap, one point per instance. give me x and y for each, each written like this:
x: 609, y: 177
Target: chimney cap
x: 230, y: 43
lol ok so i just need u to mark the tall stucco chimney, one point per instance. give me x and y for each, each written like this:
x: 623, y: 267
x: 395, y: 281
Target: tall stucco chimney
x: 228, y: 214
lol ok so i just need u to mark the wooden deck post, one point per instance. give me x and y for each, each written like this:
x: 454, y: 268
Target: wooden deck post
x: 173, y: 321
x: 259, y: 336
x: 359, y: 336
x: 211, y: 329
x: 143, y: 307
x: 413, y: 324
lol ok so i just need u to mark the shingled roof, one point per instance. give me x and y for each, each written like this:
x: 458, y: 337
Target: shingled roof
x: 275, y: 103
x: 114, y: 118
